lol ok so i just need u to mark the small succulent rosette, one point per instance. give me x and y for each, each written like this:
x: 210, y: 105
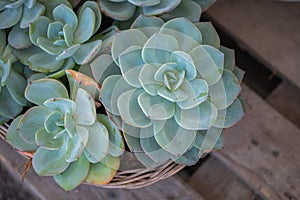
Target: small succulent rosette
x: 18, y: 14
x: 171, y: 88
x: 123, y: 10
x: 69, y: 141
x: 64, y: 40
x: 12, y: 82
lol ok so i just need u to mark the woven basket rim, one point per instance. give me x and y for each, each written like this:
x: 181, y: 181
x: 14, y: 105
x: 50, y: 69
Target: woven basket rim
x: 126, y: 179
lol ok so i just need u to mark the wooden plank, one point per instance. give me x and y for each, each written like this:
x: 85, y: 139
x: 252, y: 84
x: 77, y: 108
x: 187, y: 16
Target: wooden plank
x: 213, y: 180
x: 263, y: 150
x: 286, y: 99
x: 46, y: 188
x: 269, y: 30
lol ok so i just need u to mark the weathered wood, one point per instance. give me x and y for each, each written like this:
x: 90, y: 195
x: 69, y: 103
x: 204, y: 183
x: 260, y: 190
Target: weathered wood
x: 268, y: 29
x: 286, y: 99
x: 46, y: 188
x: 263, y: 151
x: 213, y: 180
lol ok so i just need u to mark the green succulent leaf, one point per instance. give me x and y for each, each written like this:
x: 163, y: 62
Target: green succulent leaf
x: 31, y: 13
x: 3, y: 41
x: 197, y: 92
x: 162, y: 7
x: 230, y: 115
x: 53, y: 121
x: 87, y: 51
x: 135, y: 146
x: 188, y: 9
x: 16, y: 84
x: 95, y: 8
x: 43, y: 62
x: 225, y: 91
x: 119, y: 11
x: 38, y: 28
x: 108, y: 67
x: 148, y: 25
x: 55, y: 89
x: 186, y: 33
x: 10, y: 17
x: 206, y: 140
x: 116, y: 142
x: 156, y: 108
x: 8, y: 107
x: 131, y: 64
x: 3, y: 120
x: 229, y: 58
x: 61, y: 105
x: 77, y: 144
x: 130, y: 112
x: 197, y: 118
x: 146, y: 78
x: 205, y: 3
x: 210, y: 64
x: 151, y: 147
x: 209, y: 35
x: 112, y: 88
x: 49, y: 162
x: 191, y: 157
x: 158, y: 49
x: 13, y: 138
x: 19, y: 38
x: 32, y: 121
x: 85, y: 111
x: 85, y: 27
x: 103, y: 172
x: 66, y: 15
x: 48, y: 140
x: 74, y: 175
x: 175, y: 139
x: 239, y: 73
x: 93, y: 151
x: 126, y: 39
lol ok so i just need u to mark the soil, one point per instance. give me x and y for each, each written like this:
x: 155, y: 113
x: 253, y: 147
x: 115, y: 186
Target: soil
x: 11, y: 189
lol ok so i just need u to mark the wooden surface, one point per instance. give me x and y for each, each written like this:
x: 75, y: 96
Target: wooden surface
x: 216, y: 182
x: 45, y: 187
x: 268, y: 29
x: 263, y: 151
x: 286, y: 99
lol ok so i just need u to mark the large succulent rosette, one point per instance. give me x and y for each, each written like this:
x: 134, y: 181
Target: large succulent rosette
x: 69, y: 140
x: 125, y: 9
x: 171, y: 88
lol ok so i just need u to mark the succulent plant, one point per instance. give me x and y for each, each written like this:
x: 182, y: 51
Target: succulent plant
x: 125, y: 9
x: 18, y: 14
x: 63, y: 41
x: 23, y: 11
x: 12, y: 82
x: 171, y: 88
x: 69, y: 140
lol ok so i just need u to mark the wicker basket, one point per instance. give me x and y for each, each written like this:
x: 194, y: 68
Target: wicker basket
x: 128, y: 179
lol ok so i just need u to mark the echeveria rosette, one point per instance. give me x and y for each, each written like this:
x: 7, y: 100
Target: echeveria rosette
x: 176, y: 90
x: 123, y: 10
x: 64, y: 40
x: 12, y: 82
x: 18, y: 14
x: 69, y: 140
x: 23, y: 11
